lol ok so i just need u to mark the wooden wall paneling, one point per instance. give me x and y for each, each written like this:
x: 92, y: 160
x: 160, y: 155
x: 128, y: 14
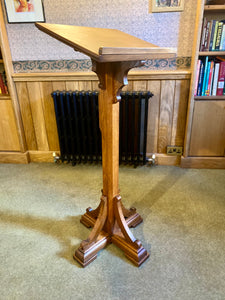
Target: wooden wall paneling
x: 85, y: 85
x: 153, y: 116
x: 164, y: 108
x: 49, y: 115
x: 180, y: 112
x: 128, y: 87
x: 9, y: 140
x: 208, y: 129
x: 94, y: 85
x: 140, y: 85
x: 59, y: 85
x: 35, y: 97
x: 72, y: 85
x: 166, y: 114
x: 26, y: 115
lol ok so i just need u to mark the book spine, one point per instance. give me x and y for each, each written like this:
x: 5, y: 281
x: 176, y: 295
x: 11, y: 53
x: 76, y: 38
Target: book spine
x: 215, y: 79
x: 205, y: 75
x: 200, y: 81
x: 222, y: 43
x: 2, y: 85
x: 204, y: 25
x: 219, y: 34
x: 208, y: 90
x: 224, y: 88
x: 212, y: 35
x: 211, y: 85
x: 209, y: 36
x: 197, y: 76
x: 215, y: 35
x: 206, y: 36
x: 221, y: 78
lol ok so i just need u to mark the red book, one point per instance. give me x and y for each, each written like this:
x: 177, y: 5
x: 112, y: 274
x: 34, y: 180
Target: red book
x: 221, y: 79
x: 2, y: 85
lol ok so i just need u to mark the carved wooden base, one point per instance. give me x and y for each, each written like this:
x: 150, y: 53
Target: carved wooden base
x: 131, y: 216
x: 120, y: 234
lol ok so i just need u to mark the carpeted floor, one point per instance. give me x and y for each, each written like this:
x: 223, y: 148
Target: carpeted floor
x: 184, y: 225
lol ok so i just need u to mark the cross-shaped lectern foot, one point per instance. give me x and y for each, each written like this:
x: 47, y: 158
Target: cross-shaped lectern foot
x: 106, y: 231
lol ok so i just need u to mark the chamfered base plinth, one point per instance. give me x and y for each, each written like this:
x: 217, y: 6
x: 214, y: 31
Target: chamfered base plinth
x: 119, y: 233
x: 85, y: 255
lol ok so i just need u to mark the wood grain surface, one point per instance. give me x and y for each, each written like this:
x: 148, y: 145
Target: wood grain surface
x: 103, y: 44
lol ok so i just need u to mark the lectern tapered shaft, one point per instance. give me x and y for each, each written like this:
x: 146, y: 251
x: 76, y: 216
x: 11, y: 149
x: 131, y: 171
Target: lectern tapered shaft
x: 109, y: 125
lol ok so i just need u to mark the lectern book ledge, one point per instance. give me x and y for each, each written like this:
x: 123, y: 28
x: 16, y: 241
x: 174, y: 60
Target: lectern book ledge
x: 113, y: 54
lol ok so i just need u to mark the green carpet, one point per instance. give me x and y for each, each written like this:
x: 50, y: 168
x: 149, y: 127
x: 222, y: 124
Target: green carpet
x: 184, y: 226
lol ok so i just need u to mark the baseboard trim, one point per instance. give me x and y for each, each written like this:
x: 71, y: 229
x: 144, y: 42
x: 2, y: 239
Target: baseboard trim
x: 203, y: 162
x: 42, y: 156
x: 47, y: 156
x: 165, y: 160
x: 14, y: 157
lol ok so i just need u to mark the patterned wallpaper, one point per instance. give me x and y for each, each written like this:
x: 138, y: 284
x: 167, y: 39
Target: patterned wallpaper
x: 78, y: 65
x: 173, y: 29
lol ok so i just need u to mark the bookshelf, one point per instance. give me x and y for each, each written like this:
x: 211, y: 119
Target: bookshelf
x: 214, y: 8
x: 205, y: 128
x: 12, y: 143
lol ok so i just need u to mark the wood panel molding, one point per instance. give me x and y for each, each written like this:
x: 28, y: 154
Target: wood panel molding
x: 86, y: 76
x: 166, y: 160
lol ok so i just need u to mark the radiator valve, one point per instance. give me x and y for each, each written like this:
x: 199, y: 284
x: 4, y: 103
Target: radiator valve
x: 55, y: 157
x: 151, y: 160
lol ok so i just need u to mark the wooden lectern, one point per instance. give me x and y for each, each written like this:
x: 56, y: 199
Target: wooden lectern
x: 113, y: 54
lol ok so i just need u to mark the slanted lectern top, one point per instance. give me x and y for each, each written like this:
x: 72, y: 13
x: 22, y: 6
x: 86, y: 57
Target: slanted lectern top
x: 113, y: 54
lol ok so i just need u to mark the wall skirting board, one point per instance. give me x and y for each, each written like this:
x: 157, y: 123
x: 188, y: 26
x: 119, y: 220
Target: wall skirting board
x: 203, y: 162
x: 161, y: 159
x: 14, y: 157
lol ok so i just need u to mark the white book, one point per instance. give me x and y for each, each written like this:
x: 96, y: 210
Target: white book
x: 215, y: 79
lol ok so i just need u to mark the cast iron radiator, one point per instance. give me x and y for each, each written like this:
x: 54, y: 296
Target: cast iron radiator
x: 78, y: 126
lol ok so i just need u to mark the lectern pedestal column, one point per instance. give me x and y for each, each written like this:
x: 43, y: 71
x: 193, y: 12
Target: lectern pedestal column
x: 109, y: 219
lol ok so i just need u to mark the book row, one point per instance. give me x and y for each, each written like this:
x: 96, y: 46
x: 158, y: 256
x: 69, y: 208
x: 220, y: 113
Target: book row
x: 210, y: 79
x: 213, y: 35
